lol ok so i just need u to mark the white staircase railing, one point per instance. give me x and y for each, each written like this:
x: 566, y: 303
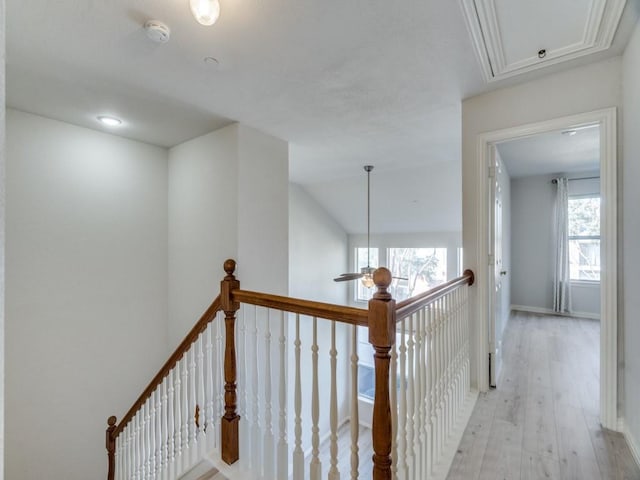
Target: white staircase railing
x: 263, y: 387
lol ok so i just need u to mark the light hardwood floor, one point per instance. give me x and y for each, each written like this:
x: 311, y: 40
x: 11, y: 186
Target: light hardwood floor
x: 542, y: 420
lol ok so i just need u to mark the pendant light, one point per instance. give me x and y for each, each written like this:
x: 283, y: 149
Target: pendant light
x: 206, y: 12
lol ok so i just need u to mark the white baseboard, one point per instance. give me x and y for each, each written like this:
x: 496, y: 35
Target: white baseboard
x: 634, y: 446
x: 548, y: 311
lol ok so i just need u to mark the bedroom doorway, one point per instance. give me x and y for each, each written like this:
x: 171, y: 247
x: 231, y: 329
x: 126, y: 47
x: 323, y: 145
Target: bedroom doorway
x: 491, y: 292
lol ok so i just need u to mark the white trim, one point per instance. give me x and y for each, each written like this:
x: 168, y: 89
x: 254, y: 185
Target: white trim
x: 483, y: 26
x: 606, y: 119
x: 548, y: 311
x: 632, y: 442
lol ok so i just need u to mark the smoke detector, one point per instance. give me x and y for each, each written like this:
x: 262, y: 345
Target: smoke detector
x: 157, y: 31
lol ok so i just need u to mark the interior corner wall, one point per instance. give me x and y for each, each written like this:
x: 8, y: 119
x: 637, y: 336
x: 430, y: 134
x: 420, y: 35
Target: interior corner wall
x: 582, y: 89
x: 631, y: 199
x: 263, y: 212
x: 228, y: 198
x: 86, y: 289
x: 203, y: 211
x: 317, y: 250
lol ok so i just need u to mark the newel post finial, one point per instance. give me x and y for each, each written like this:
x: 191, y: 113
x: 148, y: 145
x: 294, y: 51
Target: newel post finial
x: 230, y: 444
x: 111, y: 447
x: 382, y: 335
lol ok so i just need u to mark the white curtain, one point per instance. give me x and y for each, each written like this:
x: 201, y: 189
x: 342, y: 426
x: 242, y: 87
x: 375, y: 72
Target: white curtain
x: 561, y: 279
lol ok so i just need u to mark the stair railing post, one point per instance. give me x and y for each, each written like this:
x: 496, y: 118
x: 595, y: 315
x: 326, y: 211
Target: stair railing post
x: 111, y: 447
x: 382, y: 335
x: 229, y: 423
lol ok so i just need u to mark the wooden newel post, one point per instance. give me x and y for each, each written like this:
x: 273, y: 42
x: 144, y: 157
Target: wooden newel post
x: 382, y: 335
x: 229, y: 425
x: 111, y: 448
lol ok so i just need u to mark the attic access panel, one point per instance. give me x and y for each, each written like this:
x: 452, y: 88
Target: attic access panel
x: 511, y: 38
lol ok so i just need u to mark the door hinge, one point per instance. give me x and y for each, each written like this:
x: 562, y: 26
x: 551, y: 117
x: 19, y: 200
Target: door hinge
x: 492, y: 172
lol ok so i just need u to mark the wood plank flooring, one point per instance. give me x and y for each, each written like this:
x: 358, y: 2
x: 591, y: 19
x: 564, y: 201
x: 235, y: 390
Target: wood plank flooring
x: 542, y: 420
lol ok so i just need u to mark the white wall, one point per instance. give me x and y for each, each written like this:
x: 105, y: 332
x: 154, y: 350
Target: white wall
x: 2, y: 233
x: 228, y: 198
x: 533, y: 245
x: 202, y: 224
x: 86, y: 290
x: 631, y: 199
x: 317, y: 250
x: 263, y: 211
x: 578, y: 90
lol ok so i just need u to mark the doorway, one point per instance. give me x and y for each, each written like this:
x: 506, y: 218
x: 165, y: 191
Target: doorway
x: 487, y: 346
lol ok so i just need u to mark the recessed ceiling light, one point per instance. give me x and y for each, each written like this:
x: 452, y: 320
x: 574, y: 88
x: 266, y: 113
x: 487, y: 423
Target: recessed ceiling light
x: 109, y: 121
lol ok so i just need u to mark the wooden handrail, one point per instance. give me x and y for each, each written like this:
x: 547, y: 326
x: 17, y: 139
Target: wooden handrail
x: 413, y: 304
x: 208, y: 316
x: 328, y: 311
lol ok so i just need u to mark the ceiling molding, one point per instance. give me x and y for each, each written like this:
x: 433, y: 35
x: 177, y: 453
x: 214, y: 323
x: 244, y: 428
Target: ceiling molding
x: 483, y: 24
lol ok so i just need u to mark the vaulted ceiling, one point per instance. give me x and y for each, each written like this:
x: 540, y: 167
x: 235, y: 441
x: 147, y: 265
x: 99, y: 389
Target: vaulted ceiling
x: 347, y: 83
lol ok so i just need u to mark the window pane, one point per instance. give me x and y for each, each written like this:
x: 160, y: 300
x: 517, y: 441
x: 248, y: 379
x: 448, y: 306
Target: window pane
x: 584, y: 259
x: 423, y: 269
x: 584, y: 216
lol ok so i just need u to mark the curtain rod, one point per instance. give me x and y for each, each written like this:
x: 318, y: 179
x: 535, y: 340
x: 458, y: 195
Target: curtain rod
x: 572, y: 179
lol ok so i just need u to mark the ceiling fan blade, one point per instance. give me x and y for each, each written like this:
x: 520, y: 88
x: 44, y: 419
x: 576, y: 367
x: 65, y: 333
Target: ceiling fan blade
x: 347, y: 276
x: 401, y: 278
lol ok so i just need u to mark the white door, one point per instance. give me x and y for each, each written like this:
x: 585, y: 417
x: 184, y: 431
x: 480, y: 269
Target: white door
x: 496, y: 313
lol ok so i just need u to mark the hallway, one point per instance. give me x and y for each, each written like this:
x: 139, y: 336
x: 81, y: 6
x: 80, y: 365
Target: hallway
x: 542, y: 421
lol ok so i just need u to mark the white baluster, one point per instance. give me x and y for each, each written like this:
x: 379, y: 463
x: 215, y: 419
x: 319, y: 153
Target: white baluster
x: 283, y: 446
x: 171, y: 425
x: 164, y: 451
x: 440, y: 356
x: 202, y: 450
x: 334, y: 473
x: 431, y: 415
x: 191, y: 408
x: 159, y: 414
x: 256, y: 445
x: 209, y: 423
x: 186, y: 412
x: 269, y: 471
x: 178, y: 415
x: 243, y: 386
x: 402, y: 411
x: 298, y: 453
x: 153, y: 453
x: 355, y: 417
x: 145, y: 441
x: 419, y: 397
x: 315, y: 471
x: 137, y: 452
x: 410, y: 400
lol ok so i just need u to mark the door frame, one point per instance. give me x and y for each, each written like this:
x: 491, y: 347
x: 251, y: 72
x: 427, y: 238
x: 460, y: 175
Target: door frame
x: 606, y: 119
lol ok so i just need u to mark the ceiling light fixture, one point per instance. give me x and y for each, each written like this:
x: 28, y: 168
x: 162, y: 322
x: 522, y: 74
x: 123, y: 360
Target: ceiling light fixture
x: 109, y: 121
x: 206, y: 12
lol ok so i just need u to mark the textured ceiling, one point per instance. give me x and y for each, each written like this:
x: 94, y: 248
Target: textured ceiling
x: 552, y: 152
x: 346, y: 83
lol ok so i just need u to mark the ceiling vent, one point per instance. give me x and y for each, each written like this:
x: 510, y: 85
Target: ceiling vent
x: 511, y: 38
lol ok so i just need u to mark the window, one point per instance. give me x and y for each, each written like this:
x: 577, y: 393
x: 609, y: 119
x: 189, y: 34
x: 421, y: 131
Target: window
x: 420, y: 268
x: 584, y: 238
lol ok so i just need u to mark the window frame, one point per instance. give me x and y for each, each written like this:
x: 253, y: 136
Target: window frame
x: 586, y: 281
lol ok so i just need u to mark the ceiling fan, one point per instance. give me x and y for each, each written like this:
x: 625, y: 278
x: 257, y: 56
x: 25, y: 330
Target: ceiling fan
x: 366, y: 273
